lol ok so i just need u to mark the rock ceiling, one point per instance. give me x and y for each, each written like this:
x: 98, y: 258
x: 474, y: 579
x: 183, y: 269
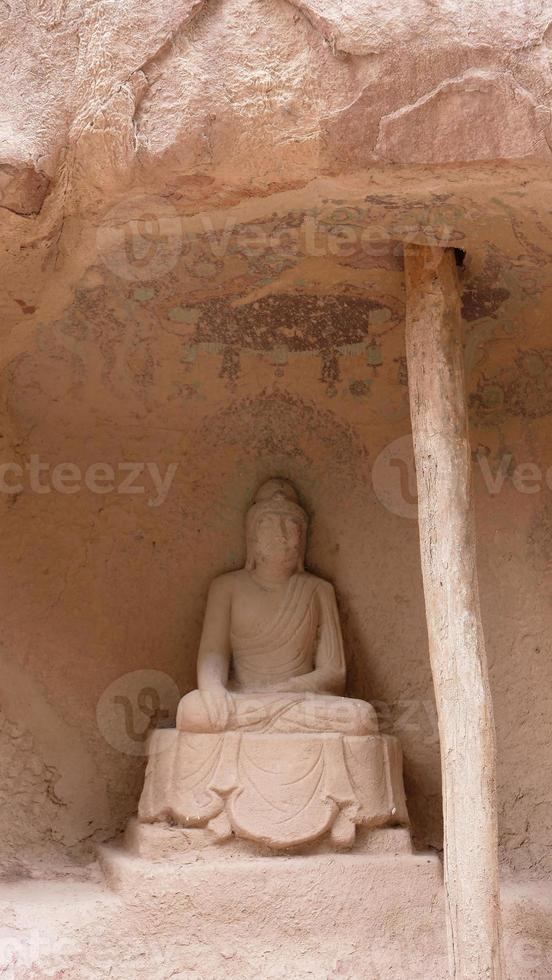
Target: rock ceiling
x: 233, y: 177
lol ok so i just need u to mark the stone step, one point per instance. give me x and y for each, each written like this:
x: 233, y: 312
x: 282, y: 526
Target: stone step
x: 164, y: 841
x: 367, y: 897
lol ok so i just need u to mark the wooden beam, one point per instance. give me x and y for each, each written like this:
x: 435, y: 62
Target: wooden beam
x: 456, y: 643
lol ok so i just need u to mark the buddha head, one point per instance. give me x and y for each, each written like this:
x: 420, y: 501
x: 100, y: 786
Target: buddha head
x: 276, y: 527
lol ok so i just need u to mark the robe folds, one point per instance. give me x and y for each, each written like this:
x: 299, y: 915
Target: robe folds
x: 302, y: 640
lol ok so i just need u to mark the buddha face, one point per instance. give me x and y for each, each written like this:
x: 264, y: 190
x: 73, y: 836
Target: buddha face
x: 278, y: 540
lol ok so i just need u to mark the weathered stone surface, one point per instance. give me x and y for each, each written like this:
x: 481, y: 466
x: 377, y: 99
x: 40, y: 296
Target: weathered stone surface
x: 245, y: 90
x: 480, y: 115
x: 283, y: 791
x: 22, y: 189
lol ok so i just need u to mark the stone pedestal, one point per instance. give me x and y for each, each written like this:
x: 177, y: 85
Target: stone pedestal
x: 324, y: 916
x: 280, y: 855
x: 276, y: 790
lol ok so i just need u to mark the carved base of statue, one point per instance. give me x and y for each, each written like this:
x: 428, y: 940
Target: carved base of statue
x: 279, y: 790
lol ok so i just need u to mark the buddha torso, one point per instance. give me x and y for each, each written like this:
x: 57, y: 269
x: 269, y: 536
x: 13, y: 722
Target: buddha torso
x: 273, y: 630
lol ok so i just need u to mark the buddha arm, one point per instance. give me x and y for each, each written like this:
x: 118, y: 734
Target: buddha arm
x: 213, y: 662
x: 328, y: 676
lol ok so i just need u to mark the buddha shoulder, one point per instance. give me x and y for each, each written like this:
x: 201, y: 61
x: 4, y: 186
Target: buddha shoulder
x: 321, y: 592
x: 322, y: 586
x: 225, y: 585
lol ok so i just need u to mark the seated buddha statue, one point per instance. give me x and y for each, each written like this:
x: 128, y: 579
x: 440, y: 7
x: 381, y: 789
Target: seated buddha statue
x: 271, y: 656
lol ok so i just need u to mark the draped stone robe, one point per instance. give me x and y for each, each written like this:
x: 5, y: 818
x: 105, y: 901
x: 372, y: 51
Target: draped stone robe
x: 302, y: 640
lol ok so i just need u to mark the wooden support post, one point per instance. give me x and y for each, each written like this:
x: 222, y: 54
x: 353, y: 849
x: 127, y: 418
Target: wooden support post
x: 457, y: 647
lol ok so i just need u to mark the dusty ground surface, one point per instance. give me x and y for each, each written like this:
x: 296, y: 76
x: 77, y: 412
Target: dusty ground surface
x: 82, y: 930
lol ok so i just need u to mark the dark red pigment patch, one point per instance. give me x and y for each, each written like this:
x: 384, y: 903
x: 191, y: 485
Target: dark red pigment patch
x: 482, y: 296
x: 298, y: 323
x: 230, y: 367
x: 330, y: 366
x: 26, y: 309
